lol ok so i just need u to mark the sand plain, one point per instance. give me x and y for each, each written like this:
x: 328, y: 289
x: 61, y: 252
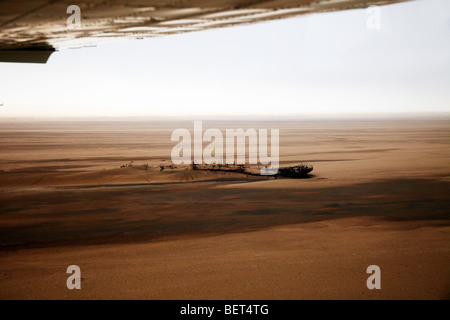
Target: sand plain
x: 378, y: 195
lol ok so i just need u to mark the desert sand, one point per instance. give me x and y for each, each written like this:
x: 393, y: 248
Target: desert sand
x: 378, y: 195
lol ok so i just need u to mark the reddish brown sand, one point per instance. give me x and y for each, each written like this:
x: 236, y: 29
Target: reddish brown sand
x: 379, y: 195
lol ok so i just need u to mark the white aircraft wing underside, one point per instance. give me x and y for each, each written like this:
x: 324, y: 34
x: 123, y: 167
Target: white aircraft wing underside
x: 31, y: 29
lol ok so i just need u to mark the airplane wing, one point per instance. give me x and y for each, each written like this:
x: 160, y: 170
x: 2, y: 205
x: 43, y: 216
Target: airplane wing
x: 30, y: 30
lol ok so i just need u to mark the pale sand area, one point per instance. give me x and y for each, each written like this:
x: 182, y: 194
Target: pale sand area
x: 379, y: 195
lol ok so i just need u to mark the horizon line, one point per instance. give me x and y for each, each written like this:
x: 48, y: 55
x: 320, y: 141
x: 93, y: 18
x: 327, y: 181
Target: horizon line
x: 243, y: 117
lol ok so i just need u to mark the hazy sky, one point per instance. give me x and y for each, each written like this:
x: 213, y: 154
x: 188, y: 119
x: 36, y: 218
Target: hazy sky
x: 321, y: 63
